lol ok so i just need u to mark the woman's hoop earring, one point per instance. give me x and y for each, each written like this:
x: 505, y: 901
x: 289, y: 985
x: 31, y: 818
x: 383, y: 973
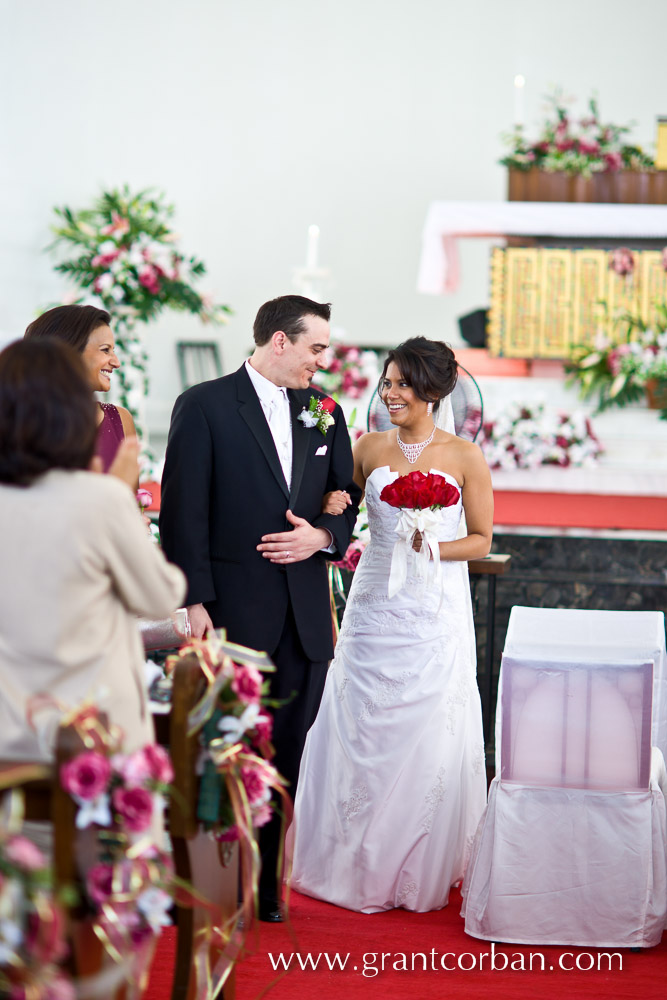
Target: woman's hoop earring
x: 429, y: 409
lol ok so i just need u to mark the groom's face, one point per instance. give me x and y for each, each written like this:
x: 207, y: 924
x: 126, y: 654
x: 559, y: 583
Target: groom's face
x: 300, y: 361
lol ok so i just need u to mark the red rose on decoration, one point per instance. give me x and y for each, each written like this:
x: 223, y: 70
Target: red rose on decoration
x: 86, y: 776
x: 328, y: 404
x: 135, y: 806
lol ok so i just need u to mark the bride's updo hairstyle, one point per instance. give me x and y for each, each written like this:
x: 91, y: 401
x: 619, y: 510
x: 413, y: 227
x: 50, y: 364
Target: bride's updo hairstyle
x: 428, y: 366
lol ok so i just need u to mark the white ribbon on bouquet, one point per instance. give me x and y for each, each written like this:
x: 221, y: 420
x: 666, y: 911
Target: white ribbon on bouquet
x: 424, y: 564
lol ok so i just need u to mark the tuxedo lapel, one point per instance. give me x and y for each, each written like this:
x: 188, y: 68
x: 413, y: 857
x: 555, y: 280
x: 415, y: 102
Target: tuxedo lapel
x: 250, y: 409
x: 300, y: 437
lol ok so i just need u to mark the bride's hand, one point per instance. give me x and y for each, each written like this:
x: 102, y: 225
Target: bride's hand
x: 335, y: 502
x: 417, y: 542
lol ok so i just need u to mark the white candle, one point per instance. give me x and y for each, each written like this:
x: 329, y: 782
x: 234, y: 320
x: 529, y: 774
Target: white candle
x: 311, y: 248
x: 519, y: 84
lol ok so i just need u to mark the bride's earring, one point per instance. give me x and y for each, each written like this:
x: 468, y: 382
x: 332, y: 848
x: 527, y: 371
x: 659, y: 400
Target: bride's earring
x: 429, y: 409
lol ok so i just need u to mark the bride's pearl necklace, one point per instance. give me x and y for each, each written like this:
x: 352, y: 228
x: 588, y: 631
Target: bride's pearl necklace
x: 413, y: 451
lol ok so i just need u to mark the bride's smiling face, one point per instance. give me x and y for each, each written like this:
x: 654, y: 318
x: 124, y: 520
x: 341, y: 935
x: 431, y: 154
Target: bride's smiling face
x: 400, y: 399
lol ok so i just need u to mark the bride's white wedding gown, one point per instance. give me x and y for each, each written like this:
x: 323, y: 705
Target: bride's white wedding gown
x: 392, y: 781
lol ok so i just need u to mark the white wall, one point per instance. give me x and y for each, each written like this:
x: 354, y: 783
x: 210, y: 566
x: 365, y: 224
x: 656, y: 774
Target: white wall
x: 259, y: 117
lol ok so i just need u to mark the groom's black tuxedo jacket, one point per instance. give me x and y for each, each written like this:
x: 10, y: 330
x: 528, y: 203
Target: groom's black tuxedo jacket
x: 223, y: 488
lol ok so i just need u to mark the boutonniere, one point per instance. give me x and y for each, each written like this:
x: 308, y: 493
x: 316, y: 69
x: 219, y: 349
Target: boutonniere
x: 318, y: 413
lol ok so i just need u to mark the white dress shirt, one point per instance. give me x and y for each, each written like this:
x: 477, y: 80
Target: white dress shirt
x: 275, y: 405
x: 277, y: 412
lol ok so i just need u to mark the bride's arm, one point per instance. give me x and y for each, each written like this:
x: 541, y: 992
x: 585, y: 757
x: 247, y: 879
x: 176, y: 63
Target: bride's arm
x: 478, y: 506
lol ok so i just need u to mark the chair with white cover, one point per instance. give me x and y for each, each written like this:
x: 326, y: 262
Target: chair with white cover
x: 612, y: 636
x: 572, y: 848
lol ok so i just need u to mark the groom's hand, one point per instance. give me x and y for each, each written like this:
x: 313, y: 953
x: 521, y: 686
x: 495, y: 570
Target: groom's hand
x: 295, y: 545
x: 200, y: 621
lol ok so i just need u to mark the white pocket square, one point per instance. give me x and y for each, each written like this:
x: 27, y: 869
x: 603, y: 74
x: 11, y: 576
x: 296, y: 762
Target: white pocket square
x: 322, y: 450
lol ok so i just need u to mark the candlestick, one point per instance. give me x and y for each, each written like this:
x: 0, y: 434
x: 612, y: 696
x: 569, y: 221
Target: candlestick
x: 311, y: 248
x: 519, y: 114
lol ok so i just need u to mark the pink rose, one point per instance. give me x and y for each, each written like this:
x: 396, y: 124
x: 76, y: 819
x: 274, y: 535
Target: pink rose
x: 254, y: 784
x: 228, y: 835
x: 247, y: 683
x: 133, y: 768
x: 159, y: 763
x: 263, y: 815
x: 144, y: 498
x: 86, y: 776
x: 45, y: 940
x: 663, y: 258
x: 149, y: 278
x: 99, y: 882
x: 614, y: 161
x: 135, y: 806
x: 60, y: 989
x: 25, y: 854
x: 263, y: 729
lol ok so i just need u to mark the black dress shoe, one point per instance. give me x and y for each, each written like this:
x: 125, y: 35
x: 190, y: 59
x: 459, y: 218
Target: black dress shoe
x: 270, y: 913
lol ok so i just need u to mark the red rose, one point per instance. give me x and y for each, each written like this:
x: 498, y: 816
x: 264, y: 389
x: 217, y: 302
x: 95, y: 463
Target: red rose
x: 328, y: 404
x: 390, y: 494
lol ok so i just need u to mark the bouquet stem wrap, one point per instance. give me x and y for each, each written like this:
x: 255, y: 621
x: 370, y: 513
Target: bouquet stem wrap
x: 425, y: 564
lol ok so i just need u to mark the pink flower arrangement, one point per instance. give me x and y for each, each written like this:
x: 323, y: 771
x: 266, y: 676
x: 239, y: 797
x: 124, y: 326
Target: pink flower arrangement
x: 345, y: 371
x: 247, y: 683
x: 86, y: 776
x: 584, y: 147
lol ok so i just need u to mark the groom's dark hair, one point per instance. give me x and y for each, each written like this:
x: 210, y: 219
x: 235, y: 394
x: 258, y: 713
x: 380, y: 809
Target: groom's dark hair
x: 286, y: 313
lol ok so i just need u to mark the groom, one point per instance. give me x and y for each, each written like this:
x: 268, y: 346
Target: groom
x: 241, y: 514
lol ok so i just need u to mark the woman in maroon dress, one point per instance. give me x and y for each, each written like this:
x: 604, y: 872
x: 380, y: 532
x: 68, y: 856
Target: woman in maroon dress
x: 87, y: 330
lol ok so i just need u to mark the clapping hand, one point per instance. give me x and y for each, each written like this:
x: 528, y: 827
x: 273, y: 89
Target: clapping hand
x: 335, y: 502
x: 300, y: 543
x: 125, y: 465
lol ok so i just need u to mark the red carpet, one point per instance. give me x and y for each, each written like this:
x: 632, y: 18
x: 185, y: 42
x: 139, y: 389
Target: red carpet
x: 324, y: 931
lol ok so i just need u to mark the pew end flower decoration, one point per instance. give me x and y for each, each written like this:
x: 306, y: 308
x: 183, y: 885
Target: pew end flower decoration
x: 235, y: 730
x: 419, y: 497
x: 32, y: 923
x: 131, y: 887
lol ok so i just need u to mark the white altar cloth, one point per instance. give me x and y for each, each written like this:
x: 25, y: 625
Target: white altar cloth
x: 446, y: 221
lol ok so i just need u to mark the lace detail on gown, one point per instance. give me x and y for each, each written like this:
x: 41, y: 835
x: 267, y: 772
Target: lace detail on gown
x: 391, y: 785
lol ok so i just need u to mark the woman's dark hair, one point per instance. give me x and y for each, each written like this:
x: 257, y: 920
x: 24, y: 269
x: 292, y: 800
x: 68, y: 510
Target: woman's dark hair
x: 47, y: 411
x: 428, y: 366
x: 286, y: 313
x: 73, y: 324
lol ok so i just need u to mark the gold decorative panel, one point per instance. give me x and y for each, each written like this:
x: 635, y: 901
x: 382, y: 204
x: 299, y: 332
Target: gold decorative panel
x: 543, y: 301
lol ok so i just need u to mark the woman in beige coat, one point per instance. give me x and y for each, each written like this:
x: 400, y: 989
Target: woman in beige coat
x: 76, y: 563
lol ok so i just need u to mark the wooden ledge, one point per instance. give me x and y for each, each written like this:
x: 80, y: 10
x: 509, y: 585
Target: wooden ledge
x: 494, y: 564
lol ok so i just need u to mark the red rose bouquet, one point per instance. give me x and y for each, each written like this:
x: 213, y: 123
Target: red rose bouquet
x: 420, y: 491
x: 419, y: 496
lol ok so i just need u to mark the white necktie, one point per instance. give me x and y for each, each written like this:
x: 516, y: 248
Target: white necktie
x: 281, y: 429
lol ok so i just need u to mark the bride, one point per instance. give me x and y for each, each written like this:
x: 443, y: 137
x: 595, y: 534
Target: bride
x: 392, y: 781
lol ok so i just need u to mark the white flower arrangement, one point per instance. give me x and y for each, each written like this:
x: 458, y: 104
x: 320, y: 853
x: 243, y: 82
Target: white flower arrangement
x: 525, y: 436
